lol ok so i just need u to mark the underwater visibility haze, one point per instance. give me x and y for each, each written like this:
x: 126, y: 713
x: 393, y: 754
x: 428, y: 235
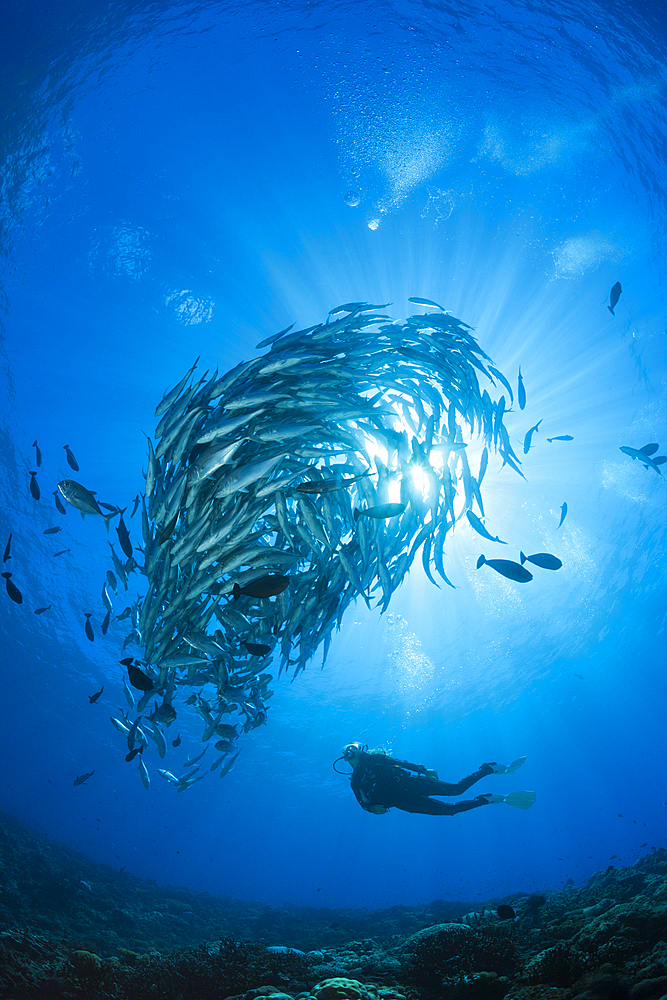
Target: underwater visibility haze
x: 461, y: 210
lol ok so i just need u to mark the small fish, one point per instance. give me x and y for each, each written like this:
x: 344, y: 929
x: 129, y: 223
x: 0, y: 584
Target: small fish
x: 177, y: 741
x: 83, y: 499
x: 381, y: 511
x: 136, y: 502
x: 143, y: 774
x: 59, y: 504
x: 34, y: 486
x: 643, y: 458
x: 71, y: 461
x: 521, y: 392
x: 61, y: 553
x: 561, y: 437
x: 228, y: 766
x: 52, y: 531
x: 106, y: 622
x: 529, y: 437
x: 113, y: 583
x: 124, y: 535
x: 507, y: 568
x: 92, y: 698
x: 267, y: 586
x: 614, y: 296
x: 81, y: 779
x: 38, y: 453
x: 543, y: 559
x: 89, y: 628
x: 579, y: 676
x: 133, y: 753
x: 477, y: 525
x: 257, y: 648
x: 563, y: 514
x: 12, y: 590
x: 425, y: 302
x: 8, y: 546
x: 506, y: 912
x: 40, y: 611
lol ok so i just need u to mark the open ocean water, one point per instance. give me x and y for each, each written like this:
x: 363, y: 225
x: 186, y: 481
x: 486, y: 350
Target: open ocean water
x: 183, y: 180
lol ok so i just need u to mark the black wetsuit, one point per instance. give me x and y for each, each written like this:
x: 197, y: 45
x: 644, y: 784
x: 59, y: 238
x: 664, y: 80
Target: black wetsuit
x: 379, y: 780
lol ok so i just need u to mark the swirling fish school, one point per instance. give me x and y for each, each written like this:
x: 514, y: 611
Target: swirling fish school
x: 375, y: 412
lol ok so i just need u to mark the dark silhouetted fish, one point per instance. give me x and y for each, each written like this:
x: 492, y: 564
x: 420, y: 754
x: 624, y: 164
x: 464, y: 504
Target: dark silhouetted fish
x: 580, y: 676
x: 257, y: 648
x: 505, y: 912
x: 38, y: 453
x: 529, y: 437
x: 521, y: 392
x: 543, y: 559
x: 40, y: 611
x: 136, y: 501
x: 61, y: 553
x: 34, y: 486
x: 561, y: 437
x: 89, y: 628
x: 81, y: 779
x: 480, y: 529
x: 507, y: 568
x: 133, y: 753
x: 71, y: 461
x: 92, y: 698
x: 8, y: 546
x: 425, y: 302
x: 177, y: 741
x: 614, y: 296
x: 12, y: 590
x: 267, y: 586
x: 113, y: 583
x: 59, y: 504
x: 380, y: 512
x: 137, y: 677
x: 52, y: 531
x: 563, y: 514
x: 106, y: 622
x: 124, y: 535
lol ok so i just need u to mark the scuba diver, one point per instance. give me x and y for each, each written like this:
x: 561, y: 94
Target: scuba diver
x: 381, y: 782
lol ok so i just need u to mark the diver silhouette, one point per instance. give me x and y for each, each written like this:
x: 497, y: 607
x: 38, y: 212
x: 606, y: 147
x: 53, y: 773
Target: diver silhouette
x: 381, y: 782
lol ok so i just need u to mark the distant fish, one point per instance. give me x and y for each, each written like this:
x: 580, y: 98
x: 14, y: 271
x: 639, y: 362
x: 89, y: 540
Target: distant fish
x: 34, y: 486
x: 177, y: 741
x: 88, y: 627
x: 8, y: 546
x: 12, y: 590
x: 106, y: 622
x: 59, y: 504
x: 579, y: 676
x: 133, y: 753
x: 381, y: 512
x: 476, y: 523
x: 521, y: 392
x: 425, y: 302
x: 563, y: 514
x: 507, y: 568
x: 506, y: 912
x: 257, y: 648
x: 92, y: 698
x: 72, y: 462
x: 52, y: 531
x: 38, y: 453
x: 81, y: 779
x: 267, y: 586
x: 61, y: 553
x: 561, y: 437
x: 124, y: 535
x: 113, y: 583
x: 614, y: 296
x: 40, y: 611
x: 529, y: 437
x: 543, y: 559
x: 136, y: 501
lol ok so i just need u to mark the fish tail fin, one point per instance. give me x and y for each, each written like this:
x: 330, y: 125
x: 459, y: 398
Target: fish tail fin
x: 522, y: 558
x: 611, y: 310
x: 106, y: 518
x: 480, y: 561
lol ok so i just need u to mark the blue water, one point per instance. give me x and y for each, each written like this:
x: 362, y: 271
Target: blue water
x: 174, y: 182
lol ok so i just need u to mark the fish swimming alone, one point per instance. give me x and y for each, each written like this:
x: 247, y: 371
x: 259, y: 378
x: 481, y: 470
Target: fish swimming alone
x: 41, y: 611
x: 52, y: 531
x: 13, y: 590
x: 8, y: 554
x: 92, y: 698
x: 614, y: 296
x: 563, y: 514
x: 81, y: 779
x: 38, y: 453
x: 543, y: 559
x: 88, y: 627
x: 521, y: 392
x: 71, y: 461
x: 34, y: 486
x: 507, y: 568
x: 529, y: 437
x: 62, y: 552
x: 506, y: 912
x: 476, y: 523
x: 561, y: 437
x: 83, y: 499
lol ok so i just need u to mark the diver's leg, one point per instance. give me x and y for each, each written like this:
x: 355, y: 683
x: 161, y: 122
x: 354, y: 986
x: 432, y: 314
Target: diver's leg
x: 429, y: 786
x: 433, y: 807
